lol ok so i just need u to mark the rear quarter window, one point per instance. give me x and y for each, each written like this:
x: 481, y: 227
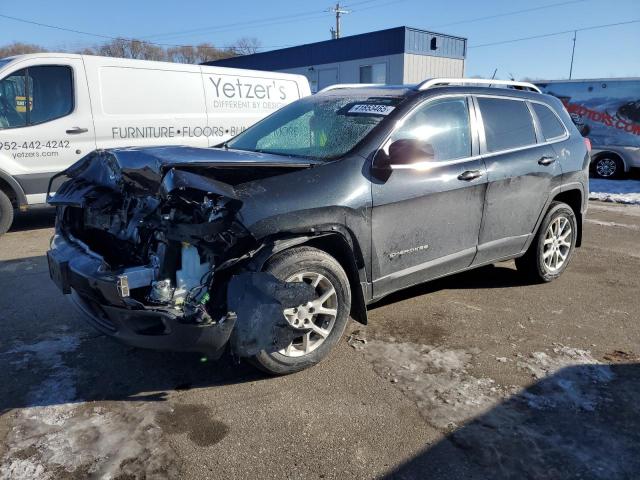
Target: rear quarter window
x: 507, y: 123
x: 549, y: 122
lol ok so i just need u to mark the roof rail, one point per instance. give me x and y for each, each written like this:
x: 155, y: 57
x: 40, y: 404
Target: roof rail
x: 350, y: 85
x: 439, y: 82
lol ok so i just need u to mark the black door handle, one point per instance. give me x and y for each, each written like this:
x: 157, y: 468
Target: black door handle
x: 470, y: 175
x: 76, y: 130
x: 547, y: 160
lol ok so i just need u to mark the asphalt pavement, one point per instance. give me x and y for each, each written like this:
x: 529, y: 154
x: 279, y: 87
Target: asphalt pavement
x: 478, y: 375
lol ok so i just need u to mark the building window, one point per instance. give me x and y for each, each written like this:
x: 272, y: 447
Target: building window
x: 434, y: 43
x: 376, y: 73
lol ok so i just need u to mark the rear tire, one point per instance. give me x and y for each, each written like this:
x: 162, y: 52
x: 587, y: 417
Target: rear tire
x: 6, y: 213
x: 310, y: 265
x: 553, y: 246
x: 607, y: 166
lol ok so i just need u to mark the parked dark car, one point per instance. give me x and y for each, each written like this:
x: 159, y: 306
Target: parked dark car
x: 270, y: 242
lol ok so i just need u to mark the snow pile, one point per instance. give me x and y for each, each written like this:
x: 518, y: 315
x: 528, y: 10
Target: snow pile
x: 577, y: 387
x: 436, y: 379
x: 55, y: 436
x: 618, y: 191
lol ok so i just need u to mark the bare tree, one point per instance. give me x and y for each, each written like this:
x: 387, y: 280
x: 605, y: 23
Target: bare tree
x: 183, y: 54
x: 247, y: 46
x: 139, y: 49
x: 19, y: 48
x: 206, y: 52
x: 129, y: 48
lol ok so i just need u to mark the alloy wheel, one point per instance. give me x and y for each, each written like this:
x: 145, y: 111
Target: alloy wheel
x: 606, y: 167
x: 557, y: 244
x: 314, y: 319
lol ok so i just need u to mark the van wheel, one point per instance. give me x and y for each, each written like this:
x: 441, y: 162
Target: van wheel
x: 607, y: 166
x: 6, y: 213
x: 552, y: 248
x: 321, y: 322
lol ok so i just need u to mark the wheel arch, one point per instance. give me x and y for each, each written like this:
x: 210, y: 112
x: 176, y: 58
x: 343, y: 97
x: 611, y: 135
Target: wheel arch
x: 574, y: 198
x: 337, y: 243
x: 12, y: 189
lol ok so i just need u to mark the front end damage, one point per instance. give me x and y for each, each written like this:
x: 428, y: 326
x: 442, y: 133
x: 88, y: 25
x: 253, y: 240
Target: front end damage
x: 154, y: 254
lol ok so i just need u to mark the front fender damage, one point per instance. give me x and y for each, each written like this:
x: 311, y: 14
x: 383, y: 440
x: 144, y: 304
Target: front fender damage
x: 181, y: 227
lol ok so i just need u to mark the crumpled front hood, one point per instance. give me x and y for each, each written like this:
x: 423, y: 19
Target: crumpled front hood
x: 141, y: 170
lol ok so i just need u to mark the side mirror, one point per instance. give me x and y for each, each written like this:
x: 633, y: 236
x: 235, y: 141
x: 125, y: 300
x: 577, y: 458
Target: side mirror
x: 409, y: 150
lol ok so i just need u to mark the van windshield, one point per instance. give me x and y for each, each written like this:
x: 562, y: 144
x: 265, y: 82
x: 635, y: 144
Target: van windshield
x: 319, y: 127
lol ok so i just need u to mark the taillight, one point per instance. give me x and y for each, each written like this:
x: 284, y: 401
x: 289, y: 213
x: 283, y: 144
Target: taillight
x: 587, y: 144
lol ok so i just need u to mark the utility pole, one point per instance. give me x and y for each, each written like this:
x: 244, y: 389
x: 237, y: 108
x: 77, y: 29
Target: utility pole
x: 575, y: 32
x: 338, y: 11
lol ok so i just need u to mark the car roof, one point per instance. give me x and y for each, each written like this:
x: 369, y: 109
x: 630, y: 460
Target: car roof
x: 458, y: 85
x: 412, y: 90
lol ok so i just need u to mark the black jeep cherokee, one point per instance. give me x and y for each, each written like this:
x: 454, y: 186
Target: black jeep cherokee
x: 269, y: 242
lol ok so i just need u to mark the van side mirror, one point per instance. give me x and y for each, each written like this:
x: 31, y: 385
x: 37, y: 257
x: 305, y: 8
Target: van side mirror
x: 406, y: 151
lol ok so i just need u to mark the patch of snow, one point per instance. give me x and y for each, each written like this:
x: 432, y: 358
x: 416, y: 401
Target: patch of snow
x: 123, y: 440
x: 436, y: 379
x: 60, y: 384
x: 23, y: 469
x: 56, y: 435
x: 618, y: 191
x: 563, y: 387
x: 613, y: 224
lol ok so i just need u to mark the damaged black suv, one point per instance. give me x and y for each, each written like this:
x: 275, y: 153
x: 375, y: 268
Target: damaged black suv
x: 269, y: 242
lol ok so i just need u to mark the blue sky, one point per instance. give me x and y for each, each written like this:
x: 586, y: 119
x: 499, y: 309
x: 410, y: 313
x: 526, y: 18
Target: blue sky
x: 607, y: 52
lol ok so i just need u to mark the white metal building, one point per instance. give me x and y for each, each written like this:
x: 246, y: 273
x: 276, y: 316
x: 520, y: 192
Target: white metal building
x: 394, y: 56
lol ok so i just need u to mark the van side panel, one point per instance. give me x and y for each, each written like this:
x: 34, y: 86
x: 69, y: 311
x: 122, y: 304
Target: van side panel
x: 158, y: 104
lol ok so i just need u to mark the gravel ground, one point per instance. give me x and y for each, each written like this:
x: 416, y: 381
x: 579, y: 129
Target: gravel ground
x: 478, y: 375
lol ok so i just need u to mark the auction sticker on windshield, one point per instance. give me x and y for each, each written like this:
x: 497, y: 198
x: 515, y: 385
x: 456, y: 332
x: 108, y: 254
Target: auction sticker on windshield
x: 371, y: 109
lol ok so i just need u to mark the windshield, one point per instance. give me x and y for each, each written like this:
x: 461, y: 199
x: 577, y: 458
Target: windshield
x: 319, y: 127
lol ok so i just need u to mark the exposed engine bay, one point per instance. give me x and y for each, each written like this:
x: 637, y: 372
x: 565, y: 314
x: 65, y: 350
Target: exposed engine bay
x: 172, y: 238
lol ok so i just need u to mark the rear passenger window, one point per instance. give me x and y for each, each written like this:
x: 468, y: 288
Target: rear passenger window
x: 551, y: 126
x: 507, y: 123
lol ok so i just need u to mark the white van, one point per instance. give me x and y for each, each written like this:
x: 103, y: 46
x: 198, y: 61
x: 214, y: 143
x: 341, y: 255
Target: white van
x: 56, y: 108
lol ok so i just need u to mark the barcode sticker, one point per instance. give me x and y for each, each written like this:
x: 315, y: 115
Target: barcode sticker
x: 371, y: 109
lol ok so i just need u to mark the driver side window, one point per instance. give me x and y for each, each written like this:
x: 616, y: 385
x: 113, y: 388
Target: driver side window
x: 13, y: 100
x: 35, y: 95
x: 443, y: 124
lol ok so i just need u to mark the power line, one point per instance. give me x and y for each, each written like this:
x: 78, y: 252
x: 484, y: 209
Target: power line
x: 265, y: 22
x: 379, y: 5
x: 507, y: 14
x: 553, y: 34
x: 110, y: 37
x: 237, y: 24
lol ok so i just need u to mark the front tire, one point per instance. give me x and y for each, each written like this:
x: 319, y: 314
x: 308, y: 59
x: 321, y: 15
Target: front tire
x: 553, y: 246
x: 322, y: 322
x: 6, y: 213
